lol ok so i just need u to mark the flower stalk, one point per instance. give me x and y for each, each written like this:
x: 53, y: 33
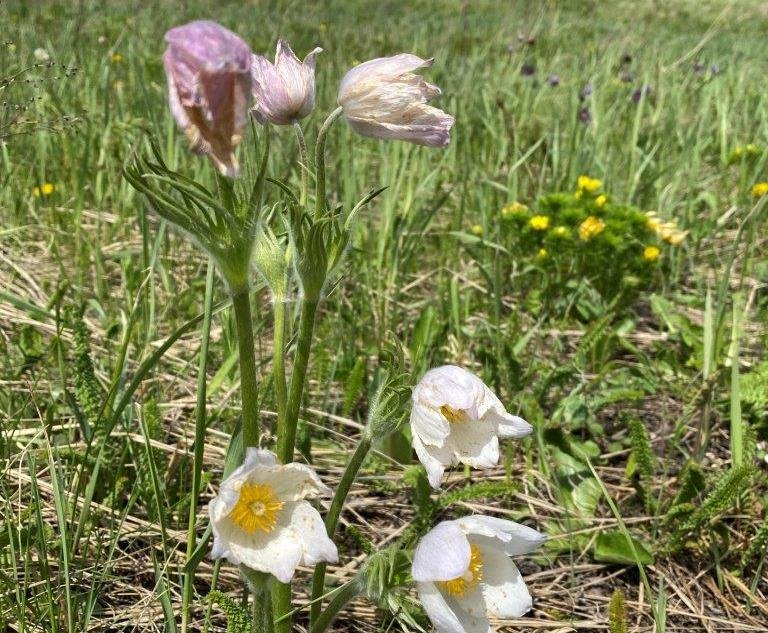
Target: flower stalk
x: 346, y: 593
x: 241, y: 303
x: 320, y: 161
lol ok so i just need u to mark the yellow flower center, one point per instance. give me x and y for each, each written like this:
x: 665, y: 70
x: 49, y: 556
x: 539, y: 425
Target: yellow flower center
x: 591, y: 227
x: 454, y: 415
x: 256, y: 509
x: 469, y: 579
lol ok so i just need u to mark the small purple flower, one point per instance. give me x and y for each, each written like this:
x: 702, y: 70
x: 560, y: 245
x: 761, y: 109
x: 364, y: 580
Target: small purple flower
x: 208, y: 69
x: 639, y: 93
x: 528, y: 70
x: 383, y: 98
x: 554, y: 80
x: 586, y: 90
x: 585, y: 116
x: 283, y: 92
x: 714, y: 69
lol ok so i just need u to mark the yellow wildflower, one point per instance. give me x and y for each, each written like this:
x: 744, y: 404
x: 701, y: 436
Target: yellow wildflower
x: 590, y: 185
x: 539, y: 222
x: 760, y: 189
x: 542, y: 254
x: 476, y: 229
x: 591, y: 227
x: 653, y: 223
x: 44, y: 190
x: 601, y: 200
x: 116, y: 58
x: 651, y: 253
x: 512, y: 209
x: 561, y: 231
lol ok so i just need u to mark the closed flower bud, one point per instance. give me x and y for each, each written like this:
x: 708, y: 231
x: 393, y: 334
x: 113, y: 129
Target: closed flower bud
x: 208, y: 69
x: 383, y: 98
x: 283, y: 92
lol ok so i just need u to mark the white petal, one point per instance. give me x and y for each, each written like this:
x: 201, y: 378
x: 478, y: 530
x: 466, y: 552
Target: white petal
x: 441, y: 615
x: 429, y: 425
x: 452, y: 386
x: 378, y: 69
x: 313, y: 536
x: 475, y: 443
x: 509, y: 425
x: 291, y: 482
x: 442, y: 554
x: 513, y: 538
x: 469, y: 607
x: 435, y: 459
x: 504, y: 591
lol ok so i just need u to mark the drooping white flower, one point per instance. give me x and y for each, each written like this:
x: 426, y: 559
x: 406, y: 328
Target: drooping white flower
x: 261, y: 520
x: 464, y: 575
x: 456, y: 418
x: 383, y: 98
x: 41, y: 55
x: 283, y: 92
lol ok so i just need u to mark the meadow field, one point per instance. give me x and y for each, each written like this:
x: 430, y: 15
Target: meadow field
x: 591, y: 244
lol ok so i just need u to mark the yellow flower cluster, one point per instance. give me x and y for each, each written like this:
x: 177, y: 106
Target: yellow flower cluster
x: 43, y: 190
x: 667, y: 231
x: 591, y: 227
x: 590, y: 185
x: 760, y: 189
x: 539, y: 222
x: 750, y: 149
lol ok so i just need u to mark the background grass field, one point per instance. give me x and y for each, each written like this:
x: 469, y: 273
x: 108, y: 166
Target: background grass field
x: 662, y: 391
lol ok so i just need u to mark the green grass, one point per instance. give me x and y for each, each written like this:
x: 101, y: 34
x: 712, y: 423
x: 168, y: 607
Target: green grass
x: 101, y: 307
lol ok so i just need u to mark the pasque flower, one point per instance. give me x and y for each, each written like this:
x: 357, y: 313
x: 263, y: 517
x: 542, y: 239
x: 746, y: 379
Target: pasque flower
x: 209, y: 84
x: 456, y: 418
x: 383, y: 98
x: 283, y: 92
x: 463, y: 572
x: 260, y: 517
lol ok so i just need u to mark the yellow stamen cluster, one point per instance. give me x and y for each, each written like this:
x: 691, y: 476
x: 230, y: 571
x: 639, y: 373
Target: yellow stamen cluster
x: 469, y: 579
x: 760, y: 189
x: 591, y: 227
x: 43, y: 190
x: 454, y: 415
x: 539, y: 222
x: 512, y: 209
x: 667, y: 231
x: 651, y: 253
x: 256, y: 509
x: 590, y: 185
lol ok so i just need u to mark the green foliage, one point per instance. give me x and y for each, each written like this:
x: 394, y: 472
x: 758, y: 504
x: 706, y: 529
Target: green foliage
x: 353, y: 386
x: 613, y: 547
x: 642, y: 460
x: 758, y: 547
x: 617, y: 613
x: 238, y: 618
x: 89, y: 394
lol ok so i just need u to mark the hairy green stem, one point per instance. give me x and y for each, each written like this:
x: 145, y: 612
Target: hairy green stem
x: 241, y: 302
x: 320, y: 162
x: 261, y: 610
x: 278, y: 364
x: 286, y: 441
x: 345, y: 594
x: 332, y: 519
x: 197, y: 468
x: 304, y: 158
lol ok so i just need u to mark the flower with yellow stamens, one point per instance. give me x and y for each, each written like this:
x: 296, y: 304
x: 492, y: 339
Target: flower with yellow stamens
x: 45, y: 189
x: 539, y: 222
x: 464, y: 575
x: 590, y: 185
x: 260, y: 517
x: 759, y: 189
x: 591, y: 227
x: 456, y: 418
x: 651, y: 253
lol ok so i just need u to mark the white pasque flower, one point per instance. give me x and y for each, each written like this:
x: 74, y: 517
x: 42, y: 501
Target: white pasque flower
x: 383, y: 98
x: 261, y: 520
x: 283, y: 92
x: 456, y: 418
x: 464, y: 575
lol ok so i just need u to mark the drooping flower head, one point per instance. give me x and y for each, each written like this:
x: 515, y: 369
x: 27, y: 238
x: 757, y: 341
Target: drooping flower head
x: 283, y: 92
x: 383, y: 98
x: 456, y: 418
x: 464, y: 575
x: 208, y: 69
x: 260, y: 518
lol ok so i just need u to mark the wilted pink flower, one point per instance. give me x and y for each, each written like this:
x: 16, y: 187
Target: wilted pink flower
x: 384, y: 99
x: 284, y: 91
x: 208, y: 69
